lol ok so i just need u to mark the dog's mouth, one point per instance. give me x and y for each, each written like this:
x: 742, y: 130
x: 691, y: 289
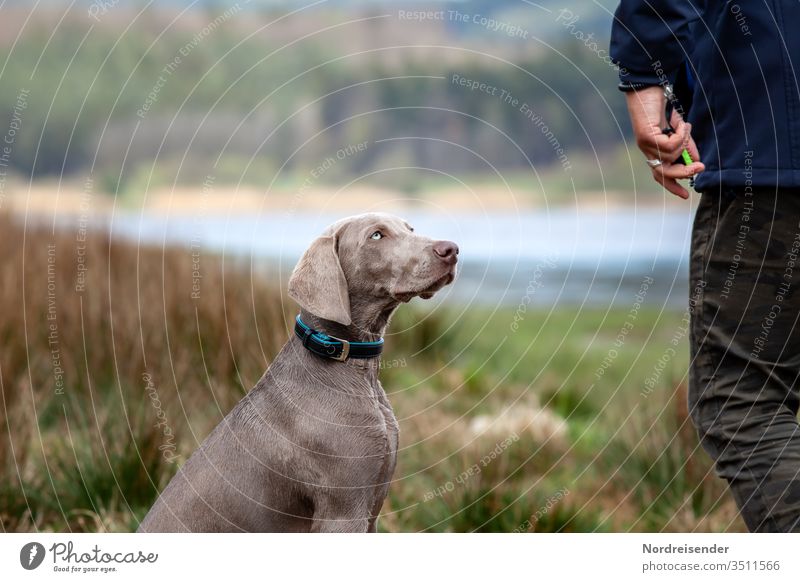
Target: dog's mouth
x: 430, y: 290
x: 443, y: 281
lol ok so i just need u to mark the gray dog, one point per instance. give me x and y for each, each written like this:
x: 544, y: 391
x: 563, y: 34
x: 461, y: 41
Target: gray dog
x: 313, y: 446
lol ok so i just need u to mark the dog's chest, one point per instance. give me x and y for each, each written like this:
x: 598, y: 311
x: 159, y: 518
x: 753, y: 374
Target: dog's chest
x: 391, y: 429
x: 390, y: 435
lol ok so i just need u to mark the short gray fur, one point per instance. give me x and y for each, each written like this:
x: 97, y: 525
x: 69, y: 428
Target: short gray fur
x: 313, y: 447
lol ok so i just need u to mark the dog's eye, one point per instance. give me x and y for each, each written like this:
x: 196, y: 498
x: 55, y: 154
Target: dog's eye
x: 377, y: 235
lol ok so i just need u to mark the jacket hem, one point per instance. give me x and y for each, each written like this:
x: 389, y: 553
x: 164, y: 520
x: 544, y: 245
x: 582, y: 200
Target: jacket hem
x: 753, y: 177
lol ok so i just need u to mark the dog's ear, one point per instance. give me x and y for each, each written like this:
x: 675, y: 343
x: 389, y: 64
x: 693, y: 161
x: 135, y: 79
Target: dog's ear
x: 318, y: 283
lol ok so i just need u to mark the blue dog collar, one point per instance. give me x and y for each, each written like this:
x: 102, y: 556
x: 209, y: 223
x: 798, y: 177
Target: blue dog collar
x: 333, y: 348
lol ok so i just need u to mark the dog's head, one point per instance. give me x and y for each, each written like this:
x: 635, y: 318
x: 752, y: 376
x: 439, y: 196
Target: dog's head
x: 375, y: 257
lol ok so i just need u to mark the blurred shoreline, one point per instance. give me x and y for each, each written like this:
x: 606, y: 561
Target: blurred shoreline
x: 50, y: 199
x: 595, y: 252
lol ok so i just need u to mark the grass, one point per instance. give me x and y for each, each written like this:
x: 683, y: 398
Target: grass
x: 106, y: 390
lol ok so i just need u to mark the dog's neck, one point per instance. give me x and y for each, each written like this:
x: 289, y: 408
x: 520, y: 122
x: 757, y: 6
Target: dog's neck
x: 368, y: 323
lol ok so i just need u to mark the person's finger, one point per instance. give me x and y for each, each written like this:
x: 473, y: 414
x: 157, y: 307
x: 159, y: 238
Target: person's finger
x: 691, y: 147
x: 680, y: 138
x: 670, y: 184
x: 660, y: 147
x: 673, y: 148
x: 678, y: 171
x: 676, y: 119
x: 674, y: 187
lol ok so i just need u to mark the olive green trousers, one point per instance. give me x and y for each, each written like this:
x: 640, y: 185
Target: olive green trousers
x: 745, y: 349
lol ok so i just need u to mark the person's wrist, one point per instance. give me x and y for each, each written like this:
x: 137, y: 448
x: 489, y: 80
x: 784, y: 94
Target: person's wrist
x: 629, y: 86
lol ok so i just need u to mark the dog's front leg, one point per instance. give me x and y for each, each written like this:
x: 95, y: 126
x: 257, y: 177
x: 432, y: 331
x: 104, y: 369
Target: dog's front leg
x: 346, y: 511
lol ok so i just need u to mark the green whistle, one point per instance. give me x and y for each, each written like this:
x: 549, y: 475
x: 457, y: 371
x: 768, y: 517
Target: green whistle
x: 685, y: 156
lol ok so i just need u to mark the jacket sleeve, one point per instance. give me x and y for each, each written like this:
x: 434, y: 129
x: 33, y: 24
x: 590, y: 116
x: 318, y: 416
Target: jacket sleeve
x: 650, y: 39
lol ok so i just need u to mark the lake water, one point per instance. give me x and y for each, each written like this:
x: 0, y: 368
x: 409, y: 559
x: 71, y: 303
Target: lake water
x: 564, y: 257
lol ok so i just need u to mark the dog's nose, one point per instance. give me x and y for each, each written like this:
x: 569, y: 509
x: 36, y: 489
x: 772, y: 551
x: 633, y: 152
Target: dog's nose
x: 446, y: 250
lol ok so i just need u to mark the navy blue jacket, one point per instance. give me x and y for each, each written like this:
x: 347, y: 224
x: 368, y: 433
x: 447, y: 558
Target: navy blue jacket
x: 743, y: 60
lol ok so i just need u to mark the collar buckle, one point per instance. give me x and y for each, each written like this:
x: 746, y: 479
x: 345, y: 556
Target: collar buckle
x: 334, y: 348
x: 345, y: 349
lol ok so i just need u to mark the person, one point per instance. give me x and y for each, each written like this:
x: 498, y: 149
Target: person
x: 738, y: 117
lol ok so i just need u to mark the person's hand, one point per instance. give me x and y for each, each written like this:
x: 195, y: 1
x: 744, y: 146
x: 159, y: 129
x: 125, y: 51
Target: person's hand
x: 647, y: 110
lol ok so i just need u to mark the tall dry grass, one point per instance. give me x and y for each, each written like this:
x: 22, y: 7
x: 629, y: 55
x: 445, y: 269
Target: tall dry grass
x: 107, y: 388
x: 106, y: 385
